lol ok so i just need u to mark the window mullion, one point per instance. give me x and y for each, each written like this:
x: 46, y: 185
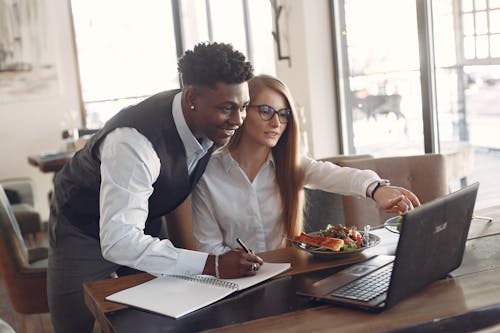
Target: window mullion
x: 248, y: 30
x: 179, y: 38
x: 209, y: 20
x: 427, y: 76
x: 343, y: 89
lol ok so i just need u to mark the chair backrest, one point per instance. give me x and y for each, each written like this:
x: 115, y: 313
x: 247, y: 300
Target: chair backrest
x: 322, y: 208
x: 25, y: 284
x: 24, y: 187
x: 424, y: 175
x: 10, y: 227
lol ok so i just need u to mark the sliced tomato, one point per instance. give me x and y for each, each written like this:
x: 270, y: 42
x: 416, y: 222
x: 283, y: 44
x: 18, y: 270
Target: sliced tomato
x: 359, y: 239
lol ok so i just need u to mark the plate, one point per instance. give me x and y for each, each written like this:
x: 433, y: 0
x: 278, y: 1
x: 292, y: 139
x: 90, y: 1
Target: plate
x: 320, y: 252
x: 393, y: 224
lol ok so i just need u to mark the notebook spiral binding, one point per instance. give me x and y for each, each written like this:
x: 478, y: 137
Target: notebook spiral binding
x: 209, y: 280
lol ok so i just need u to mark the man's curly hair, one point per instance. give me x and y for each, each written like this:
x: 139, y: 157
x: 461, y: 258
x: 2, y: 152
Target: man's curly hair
x: 209, y: 63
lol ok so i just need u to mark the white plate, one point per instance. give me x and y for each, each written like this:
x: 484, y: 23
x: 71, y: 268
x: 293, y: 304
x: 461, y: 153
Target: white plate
x: 321, y: 252
x: 393, y: 224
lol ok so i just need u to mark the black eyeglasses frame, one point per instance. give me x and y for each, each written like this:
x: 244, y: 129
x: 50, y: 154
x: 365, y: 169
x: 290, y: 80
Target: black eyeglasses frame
x: 284, y: 115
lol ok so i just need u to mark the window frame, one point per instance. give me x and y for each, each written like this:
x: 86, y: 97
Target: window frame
x: 179, y: 44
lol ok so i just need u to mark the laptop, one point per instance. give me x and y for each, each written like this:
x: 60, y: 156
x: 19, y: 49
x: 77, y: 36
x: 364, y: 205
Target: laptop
x: 431, y: 245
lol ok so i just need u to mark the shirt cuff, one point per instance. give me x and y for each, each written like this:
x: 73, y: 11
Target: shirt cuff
x: 367, y: 183
x: 193, y: 261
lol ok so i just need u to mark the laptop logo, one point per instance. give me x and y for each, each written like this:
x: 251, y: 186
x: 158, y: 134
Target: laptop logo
x: 440, y: 227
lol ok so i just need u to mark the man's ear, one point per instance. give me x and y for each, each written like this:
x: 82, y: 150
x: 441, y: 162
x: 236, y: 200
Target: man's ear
x: 189, y: 97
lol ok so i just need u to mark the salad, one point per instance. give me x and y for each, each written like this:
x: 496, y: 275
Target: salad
x: 350, y: 235
x: 400, y: 220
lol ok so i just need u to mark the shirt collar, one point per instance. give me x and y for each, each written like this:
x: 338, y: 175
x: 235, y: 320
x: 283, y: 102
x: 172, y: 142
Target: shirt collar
x: 228, y: 161
x: 191, y: 144
x: 270, y: 159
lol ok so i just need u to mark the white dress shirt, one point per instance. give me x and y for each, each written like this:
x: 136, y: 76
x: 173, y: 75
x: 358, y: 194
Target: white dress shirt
x: 226, y: 205
x: 129, y: 167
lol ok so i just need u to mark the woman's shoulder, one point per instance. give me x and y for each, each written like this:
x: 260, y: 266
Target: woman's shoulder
x: 305, y: 161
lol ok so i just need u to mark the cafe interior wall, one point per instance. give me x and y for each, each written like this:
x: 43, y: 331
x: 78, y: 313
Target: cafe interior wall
x: 307, y: 39
x: 34, y: 126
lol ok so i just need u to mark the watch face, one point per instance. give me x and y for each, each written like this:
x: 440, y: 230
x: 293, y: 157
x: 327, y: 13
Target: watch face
x: 384, y: 182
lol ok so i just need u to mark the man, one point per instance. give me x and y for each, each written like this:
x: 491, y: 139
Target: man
x: 140, y: 166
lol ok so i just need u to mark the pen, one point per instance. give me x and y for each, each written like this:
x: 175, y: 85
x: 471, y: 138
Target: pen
x: 247, y: 250
x: 243, y: 246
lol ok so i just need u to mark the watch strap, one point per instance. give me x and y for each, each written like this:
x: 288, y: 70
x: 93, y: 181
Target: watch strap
x: 380, y: 183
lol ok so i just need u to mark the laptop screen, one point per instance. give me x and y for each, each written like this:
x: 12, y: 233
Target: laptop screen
x: 432, y: 242
x: 431, y: 245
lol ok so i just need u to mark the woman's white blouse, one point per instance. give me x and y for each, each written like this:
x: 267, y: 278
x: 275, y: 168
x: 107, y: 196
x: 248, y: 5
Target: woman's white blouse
x: 226, y: 205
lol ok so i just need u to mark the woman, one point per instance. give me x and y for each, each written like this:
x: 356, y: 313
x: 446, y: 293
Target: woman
x: 252, y: 188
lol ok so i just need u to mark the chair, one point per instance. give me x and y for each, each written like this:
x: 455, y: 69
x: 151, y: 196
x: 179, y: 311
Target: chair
x: 24, y: 271
x: 322, y: 208
x: 424, y: 175
x: 25, y: 206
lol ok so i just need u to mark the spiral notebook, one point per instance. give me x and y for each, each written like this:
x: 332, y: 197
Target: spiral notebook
x: 177, y: 295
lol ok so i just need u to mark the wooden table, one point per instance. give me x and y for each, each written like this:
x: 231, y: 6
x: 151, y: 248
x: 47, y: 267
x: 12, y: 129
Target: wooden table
x: 476, y: 284
x: 49, y: 162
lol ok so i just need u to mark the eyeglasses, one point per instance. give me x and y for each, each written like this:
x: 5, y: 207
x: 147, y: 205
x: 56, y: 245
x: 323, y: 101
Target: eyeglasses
x: 266, y: 112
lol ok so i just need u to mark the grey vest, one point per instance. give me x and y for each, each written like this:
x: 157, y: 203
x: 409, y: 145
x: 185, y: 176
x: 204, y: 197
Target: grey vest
x: 77, y: 185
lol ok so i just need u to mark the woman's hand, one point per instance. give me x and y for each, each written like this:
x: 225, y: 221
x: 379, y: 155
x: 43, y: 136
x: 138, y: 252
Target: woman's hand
x: 396, y: 199
x: 234, y: 264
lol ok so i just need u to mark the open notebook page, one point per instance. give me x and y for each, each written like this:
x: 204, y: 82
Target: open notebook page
x: 175, y: 296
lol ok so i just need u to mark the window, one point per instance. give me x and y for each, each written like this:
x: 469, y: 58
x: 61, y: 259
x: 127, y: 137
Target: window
x: 383, y: 99
x: 468, y: 86
x: 480, y: 25
x: 126, y: 56
x: 395, y: 104
x: 250, y: 22
x: 122, y: 62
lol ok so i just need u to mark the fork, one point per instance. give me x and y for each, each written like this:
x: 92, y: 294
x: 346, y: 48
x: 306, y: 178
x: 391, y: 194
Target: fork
x: 366, y: 235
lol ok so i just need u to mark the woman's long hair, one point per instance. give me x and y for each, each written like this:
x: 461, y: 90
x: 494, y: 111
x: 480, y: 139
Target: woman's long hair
x: 285, y: 154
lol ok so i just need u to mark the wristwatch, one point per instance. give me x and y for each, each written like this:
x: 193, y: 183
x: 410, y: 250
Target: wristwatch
x: 378, y: 184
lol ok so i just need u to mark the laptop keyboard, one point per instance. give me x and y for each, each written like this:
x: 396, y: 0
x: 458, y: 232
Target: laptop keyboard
x: 368, y: 287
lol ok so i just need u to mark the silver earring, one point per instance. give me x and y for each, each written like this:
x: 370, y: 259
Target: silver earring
x: 191, y: 107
